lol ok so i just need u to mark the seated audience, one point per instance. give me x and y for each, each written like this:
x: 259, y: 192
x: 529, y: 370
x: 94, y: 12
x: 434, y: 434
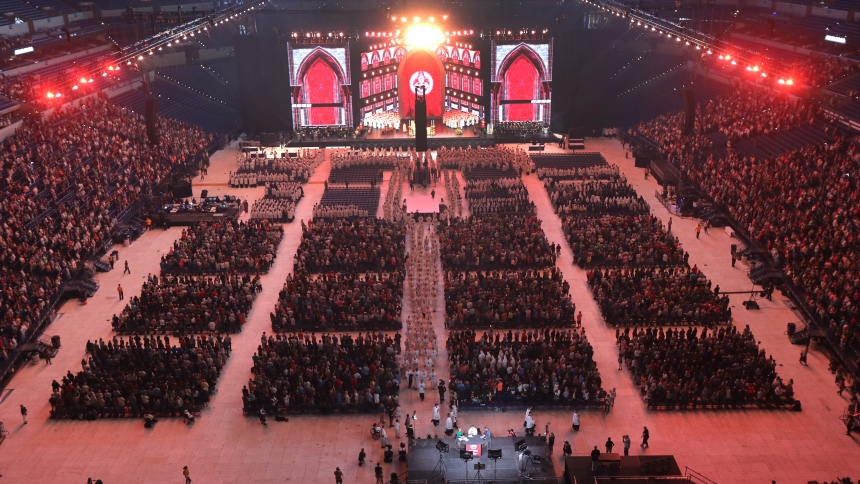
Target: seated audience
x: 621, y: 240
x: 66, y: 178
x: 190, y: 304
x: 300, y: 372
x: 665, y: 295
x: 552, y: 366
x: 495, y: 241
x: 364, y: 244
x: 344, y: 301
x: 503, y: 299
x: 222, y: 247
x: 688, y: 367
x: 143, y: 374
x: 503, y: 195
x: 571, y: 197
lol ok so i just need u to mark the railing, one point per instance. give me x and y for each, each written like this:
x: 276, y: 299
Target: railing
x: 694, y: 476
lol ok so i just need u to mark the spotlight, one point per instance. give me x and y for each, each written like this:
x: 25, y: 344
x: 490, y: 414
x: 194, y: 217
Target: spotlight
x: 432, y: 19
x: 75, y: 87
x: 394, y: 18
x: 789, y: 82
x: 402, y: 19
x: 416, y: 19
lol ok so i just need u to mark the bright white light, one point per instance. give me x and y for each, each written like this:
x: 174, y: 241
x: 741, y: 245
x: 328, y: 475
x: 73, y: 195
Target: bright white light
x: 424, y: 36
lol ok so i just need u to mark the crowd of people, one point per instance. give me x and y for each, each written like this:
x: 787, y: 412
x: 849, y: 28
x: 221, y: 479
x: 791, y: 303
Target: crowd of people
x: 339, y: 211
x: 499, y: 157
x: 284, y: 168
x: 66, y: 178
x: 621, y: 240
x: 291, y: 191
x: 459, y: 119
x: 578, y: 197
x: 392, y: 208
x: 528, y: 365
x: 301, y: 372
x: 362, y: 244
x: 498, y: 196
x: 227, y: 246
x: 595, y: 172
x: 452, y: 190
x: 802, y: 208
x: 142, y: 375
x: 503, y: 299
x: 821, y: 69
x: 273, y: 209
x: 496, y: 242
x: 190, y: 304
x: 662, y: 295
x: 421, y: 295
x: 342, y: 301
x: 683, y: 368
x: 391, y: 158
x: 385, y: 119
x: 325, y: 132
x: 520, y: 128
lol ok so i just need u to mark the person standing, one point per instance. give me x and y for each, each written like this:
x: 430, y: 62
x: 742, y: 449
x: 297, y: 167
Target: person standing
x: 383, y: 438
x: 670, y: 225
x: 595, y: 456
x: 24, y: 413
x: 803, y: 353
x: 47, y: 356
x: 119, y: 290
x: 449, y: 425
x: 436, y: 417
x: 609, y: 445
x: 550, y: 441
x: 734, y: 258
x: 698, y: 230
x: 441, y: 390
x: 111, y: 261
x: 566, y: 450
x: 626, y: 441
x: 397, y: 428
x: 378, y: 471
x: 575, y: 420
x: 338, y: 476
x: 421, y: 388
x: 645, y: 436
x: 361, y: 457
x: 126, y: 270
x: 262, y: 415
x: 186, y: 474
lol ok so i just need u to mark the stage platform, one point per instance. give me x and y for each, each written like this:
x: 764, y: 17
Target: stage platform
x: 424, y: 460
x: 444, y: 137
x: 661, y: 468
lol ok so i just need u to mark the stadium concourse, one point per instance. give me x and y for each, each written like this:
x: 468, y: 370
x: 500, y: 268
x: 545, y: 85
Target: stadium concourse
x: 225, y: 446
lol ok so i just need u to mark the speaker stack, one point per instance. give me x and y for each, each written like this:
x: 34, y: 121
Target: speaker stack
x: 420, y: 123
x: 151, y: 113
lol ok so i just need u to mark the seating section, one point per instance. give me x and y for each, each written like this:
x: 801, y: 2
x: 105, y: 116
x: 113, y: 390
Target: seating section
x: 566, y: 161
x: 364, y: 174
x: 356, y: 374
x: 176, y: 102
x: 489, y: 173
x: 22, y: 9
x: 701, y: 383
x: 365, y: 200
x: 56, y: 5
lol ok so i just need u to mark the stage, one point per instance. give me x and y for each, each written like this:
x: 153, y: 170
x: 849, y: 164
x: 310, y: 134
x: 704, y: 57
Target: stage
x: 445, y: 136
x: 424, y: 460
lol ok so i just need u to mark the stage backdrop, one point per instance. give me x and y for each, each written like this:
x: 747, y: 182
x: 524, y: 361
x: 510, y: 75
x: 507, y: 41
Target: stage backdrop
x: 321, y: 82
x: 421, y: 66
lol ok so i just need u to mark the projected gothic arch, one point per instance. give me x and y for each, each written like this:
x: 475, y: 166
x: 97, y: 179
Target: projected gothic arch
x: 522, y: 76
x: 321, y: 81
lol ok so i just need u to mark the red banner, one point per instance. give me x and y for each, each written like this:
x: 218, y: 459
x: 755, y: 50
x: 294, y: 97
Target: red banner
x: 421, y: 68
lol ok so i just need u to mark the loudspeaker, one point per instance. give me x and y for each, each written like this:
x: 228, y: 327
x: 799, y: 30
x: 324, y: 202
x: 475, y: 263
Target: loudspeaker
x: 420, y: 124
x: 181, y: 190
x: 690, y: 111
x: 150, y: 116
